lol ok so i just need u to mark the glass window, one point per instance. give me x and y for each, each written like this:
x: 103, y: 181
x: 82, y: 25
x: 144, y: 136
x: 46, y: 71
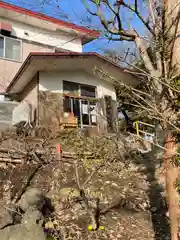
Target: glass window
x: 12, y: 49
x: 67, y: 104
x: 87, y: 91
x: 1, y: 47
x: 70, y: 88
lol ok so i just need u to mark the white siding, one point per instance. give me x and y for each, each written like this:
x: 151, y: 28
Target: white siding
x: 48, y: 37
x: 53, y: 81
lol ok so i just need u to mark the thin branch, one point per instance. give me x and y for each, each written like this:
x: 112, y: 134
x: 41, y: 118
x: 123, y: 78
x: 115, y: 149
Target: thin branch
x: 85, y: 199
x: 169, y: 16
x: 77, y: 175
x: 112, y: 30
x: 155, y: 144
x: 15, y: 198
x: 12, y: 210
x: 152, y: 12
x: 116, y: 13
x: 135, y: 5
x: 146, y: 24
x: 157, y: 79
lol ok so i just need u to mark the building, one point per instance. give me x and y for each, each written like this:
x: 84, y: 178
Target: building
x: 42, y: 63
x: 24, y: 31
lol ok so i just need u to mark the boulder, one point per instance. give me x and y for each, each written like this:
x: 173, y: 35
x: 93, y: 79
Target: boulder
x: 9, y: 215
x: 30, y: 227
x: 5, y: 218
x: 33, y: 197
x: 22, y: 232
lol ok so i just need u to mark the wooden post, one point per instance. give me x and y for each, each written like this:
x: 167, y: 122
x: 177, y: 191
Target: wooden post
x: 114, y: 115
x: 102, y: 120
x: 109, y: 113
x: 59, y: 151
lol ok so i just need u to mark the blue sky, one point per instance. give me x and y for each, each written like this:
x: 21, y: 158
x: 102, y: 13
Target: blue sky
x: 74, y: 11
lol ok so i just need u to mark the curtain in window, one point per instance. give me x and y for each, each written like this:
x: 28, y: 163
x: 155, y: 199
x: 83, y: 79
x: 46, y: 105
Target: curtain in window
x: 1, y: 47
x: 12, y: 49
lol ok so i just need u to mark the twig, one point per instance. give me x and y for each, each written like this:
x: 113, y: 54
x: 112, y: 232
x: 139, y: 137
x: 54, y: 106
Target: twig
x: 91, y: 175
x: 155, y: 144
x: 29, y: 179
x: 77, y: 175
x: 85, y: 200
x: 12, y: 210
x: 8, y: 160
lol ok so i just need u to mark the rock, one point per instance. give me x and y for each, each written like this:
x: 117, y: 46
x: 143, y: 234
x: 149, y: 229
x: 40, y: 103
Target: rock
x: 9, y: 215
x: 5, y: 218
x: 30, y: 228
x: 114, y: 184
x: 33, y: 197
x: 21, y: 232
x: 32, y: 216
x: 15, y: 213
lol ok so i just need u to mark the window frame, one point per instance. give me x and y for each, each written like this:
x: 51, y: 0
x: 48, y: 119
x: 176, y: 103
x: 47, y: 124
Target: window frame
x: 81, y: 98
x: 79, y: 85
x: 9, y: 59
x: 88, y: 86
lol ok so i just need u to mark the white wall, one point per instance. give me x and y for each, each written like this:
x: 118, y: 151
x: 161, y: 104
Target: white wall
x: 53, y: 81
x: 21, y: 113
x: 52, y: 38
x: 6, y: 111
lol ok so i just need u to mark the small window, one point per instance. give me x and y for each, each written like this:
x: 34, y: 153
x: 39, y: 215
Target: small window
x: 10, y: 48
x: 1, y: 47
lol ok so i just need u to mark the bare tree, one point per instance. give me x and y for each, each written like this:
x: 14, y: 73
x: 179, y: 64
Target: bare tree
x: 159, y: 94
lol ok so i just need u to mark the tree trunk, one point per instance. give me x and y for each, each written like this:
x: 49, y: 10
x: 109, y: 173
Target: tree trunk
x: 171, y: 176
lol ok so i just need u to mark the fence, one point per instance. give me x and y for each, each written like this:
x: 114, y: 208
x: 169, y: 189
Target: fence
x: 147, y: 135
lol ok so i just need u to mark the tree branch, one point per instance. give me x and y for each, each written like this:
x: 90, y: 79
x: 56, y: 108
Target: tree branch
x: 146, y: 24
x: 85, y: 199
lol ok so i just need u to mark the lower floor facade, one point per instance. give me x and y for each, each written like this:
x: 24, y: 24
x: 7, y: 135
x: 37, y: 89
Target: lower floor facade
x: 68, y: 100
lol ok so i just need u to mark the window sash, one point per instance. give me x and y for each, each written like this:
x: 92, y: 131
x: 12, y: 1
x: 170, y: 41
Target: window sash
x: 10, y: 55
x: 70, y: 88
x: 12, y: 49
x: 1, y: 46
x: 88, y: 91
x: 79, y: 90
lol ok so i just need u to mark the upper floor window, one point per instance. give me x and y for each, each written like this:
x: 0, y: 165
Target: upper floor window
x: 10, y: 48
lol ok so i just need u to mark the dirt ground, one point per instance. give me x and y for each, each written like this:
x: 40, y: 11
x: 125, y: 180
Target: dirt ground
x: 137, y: 209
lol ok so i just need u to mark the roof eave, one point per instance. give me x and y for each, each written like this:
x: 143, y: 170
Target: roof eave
x: 82, y: 30
x: 35, y: 55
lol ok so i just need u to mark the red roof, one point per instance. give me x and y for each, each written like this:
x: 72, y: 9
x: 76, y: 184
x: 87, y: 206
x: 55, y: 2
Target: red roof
x: 21, y: 10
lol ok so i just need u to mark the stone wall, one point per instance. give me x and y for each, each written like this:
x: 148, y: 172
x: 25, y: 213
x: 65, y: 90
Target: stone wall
x: 50, y: 108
